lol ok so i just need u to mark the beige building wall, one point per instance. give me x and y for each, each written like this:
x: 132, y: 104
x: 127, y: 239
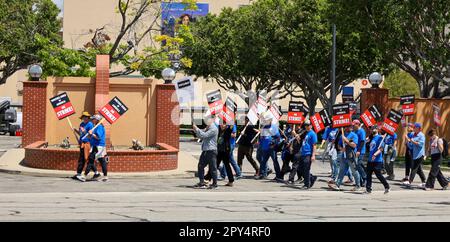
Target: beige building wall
x: 13, y: 87
x: 138, y: 94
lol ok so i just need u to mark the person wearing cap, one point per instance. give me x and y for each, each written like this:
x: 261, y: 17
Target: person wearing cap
x: 375, y: 161
x: 98, y: 149
x: 418, y: 155
x: 307, y: 156
x: 208, y: 156
x: 408, y: 152
x: 270, y: 134
x: 435, y: 150
x: 85, y: 126
x: 390, y: 154
x: 360, y: 151
x: 348, y: 144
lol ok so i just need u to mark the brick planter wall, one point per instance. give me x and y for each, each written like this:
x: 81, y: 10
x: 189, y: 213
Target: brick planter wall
x: 34, y: 110
x: 168, y: 118
x: 120, y: 161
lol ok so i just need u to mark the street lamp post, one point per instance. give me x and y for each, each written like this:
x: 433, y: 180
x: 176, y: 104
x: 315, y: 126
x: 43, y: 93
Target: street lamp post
x: 35, y: 72
x: 168, y: 75
x: 375, y: 79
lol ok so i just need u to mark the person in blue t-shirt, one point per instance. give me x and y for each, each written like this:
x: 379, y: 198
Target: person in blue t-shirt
x: 98, y: 149
x: 348, y: 144
x: 418, y: 155
x: 360, y: 151
x: 375, y: 162
x: 85, y: 147
x: 270, y: 136
x: 408, y: 152
x: 390, y: 154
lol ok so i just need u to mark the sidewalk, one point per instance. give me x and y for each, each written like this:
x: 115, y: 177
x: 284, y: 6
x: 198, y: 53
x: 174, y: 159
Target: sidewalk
x: 10, y: 163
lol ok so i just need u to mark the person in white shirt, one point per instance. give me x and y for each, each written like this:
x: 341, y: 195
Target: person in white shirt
x: 435, y: 150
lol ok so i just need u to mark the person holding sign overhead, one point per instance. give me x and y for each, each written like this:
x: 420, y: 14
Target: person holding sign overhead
x: 83, y: 129
x: 98, y: 149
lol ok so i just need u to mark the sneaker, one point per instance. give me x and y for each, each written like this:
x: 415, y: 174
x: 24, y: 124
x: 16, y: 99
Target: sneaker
x: 213, y: 187
x: 387, y: 190
x: 368, y: 192
x: 445, y: 188
x: 279, y: 180
x: 75, y: 177
x: 428, y: 189
x: 220, y: 178
x: 405, y: 179
x: 331, y: 181
x: 239, y: 177
x: 305, y: 188
x: 105, y: 179
x: 96, y: 176
x: 313, y: 180
x: 229, y: 184
x: 200, y: 185
x: 422, y: 185
x: 334, y: 187
x: 290, y: 183
x: 81, y: 178
x: 406, y: 183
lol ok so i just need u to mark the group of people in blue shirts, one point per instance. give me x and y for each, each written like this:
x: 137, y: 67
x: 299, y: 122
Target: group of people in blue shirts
x: 352, y: 153
x: 92, y: 144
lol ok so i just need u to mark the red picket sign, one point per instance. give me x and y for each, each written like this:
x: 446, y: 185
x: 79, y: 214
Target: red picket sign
x: 407, y: 103
x: 371, y: 116
x: 391, y: 122
x: 341, y: 116
x: 62, y: 105
x: 113, y: 110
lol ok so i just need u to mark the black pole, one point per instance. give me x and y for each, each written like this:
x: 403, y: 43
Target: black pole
x: 333, y: 68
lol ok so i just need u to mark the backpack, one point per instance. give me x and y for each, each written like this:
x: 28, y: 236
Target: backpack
x: 445, y: 151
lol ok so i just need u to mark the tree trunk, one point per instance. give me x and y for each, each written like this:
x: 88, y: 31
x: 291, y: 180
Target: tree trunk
x: 311, y: 100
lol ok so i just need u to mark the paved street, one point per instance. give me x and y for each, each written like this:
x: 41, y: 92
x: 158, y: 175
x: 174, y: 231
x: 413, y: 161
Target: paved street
x: 28, y: 198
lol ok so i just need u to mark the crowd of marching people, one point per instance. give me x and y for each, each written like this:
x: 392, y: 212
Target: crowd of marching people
x: 355, y: 154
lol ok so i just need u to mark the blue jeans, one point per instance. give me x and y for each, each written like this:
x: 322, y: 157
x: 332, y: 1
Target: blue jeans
x: 334, y: 169
x: 264, y: 156
x: 361, y: 170
x: 223, y: 172
x: 344, y: 165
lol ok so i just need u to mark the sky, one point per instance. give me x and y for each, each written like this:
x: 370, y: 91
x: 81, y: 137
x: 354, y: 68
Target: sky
x: 59, y: 3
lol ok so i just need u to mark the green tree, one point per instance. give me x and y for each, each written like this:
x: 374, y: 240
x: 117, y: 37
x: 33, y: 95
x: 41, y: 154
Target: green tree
x: 22, y: 22
x: 401, y: 83
x: 413, y: 34
x: 138, y: 45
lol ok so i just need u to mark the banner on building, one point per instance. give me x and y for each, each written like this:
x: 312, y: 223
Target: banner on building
x: 407, y: 103
x: 437, y: 115
x: 371, y: 116
x: 113, y: 110
x: 215, y: 102
x: 185, y: 90
x: 296, y: 113
x: 391, y: 122
x: 341, y: 115
x: 228, y: 113
x: 62, y: 105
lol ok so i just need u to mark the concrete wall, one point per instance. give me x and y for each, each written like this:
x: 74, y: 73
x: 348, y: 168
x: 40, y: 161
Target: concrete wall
x: 138, y: 94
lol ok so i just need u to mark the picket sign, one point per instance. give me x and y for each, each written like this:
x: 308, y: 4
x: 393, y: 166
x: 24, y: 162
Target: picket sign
x: 111, y: 112
x: 63, y: 109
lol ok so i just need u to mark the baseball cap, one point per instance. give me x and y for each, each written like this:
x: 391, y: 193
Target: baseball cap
x: 417, y: 125
x: 356, y: 122
x: 97, y: 117
x: 307, y: 122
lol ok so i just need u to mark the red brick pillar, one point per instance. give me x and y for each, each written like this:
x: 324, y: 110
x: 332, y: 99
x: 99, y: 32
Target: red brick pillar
x: 168, y: 115
x: 378, y: 96
x: 34, y: 110
x: 102, y: 89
